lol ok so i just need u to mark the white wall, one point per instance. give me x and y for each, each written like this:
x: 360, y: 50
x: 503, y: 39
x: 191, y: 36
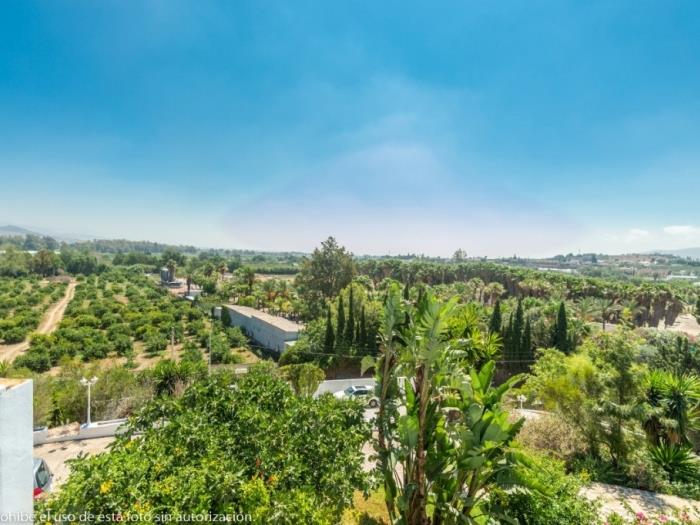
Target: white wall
x: 16, y: 442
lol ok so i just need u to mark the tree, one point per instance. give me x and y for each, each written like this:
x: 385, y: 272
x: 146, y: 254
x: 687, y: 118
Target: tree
x: 363, y: 343
x: 247, y: 276
x: 329, y: 339
x: 341, y: 320
x: 171, y: 265
x: 232, y: 444
x: 221, y: 269
x: 675, y: 399
x: 495, y: 322
x: 349, y: 334
x: 493, y: 291
x: 304, y: 378
x: 443, y: 437
x: 45, y: 263
x: 328, y: 270
x: 560, y: 338
x: 518, y: 327
x: 526, y: 353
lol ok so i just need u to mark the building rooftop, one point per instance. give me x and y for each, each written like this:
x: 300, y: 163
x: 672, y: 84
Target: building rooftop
x: 274, y: 320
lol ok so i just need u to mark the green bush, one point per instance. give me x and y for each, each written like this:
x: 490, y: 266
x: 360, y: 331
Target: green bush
x: 34, y: 360
x: 678, y: 461
x: 255, y: 448
x: 558, y: 502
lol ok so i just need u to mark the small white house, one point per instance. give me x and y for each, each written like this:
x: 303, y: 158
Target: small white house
x: 272, y: 332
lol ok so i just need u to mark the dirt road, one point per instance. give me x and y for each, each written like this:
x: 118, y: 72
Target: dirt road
x: 686, y: 324
x: 47, y: 325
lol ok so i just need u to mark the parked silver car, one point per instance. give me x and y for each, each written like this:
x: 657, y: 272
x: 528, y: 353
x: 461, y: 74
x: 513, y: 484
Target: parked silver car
x: 42, y: 477
x: 361, y: 393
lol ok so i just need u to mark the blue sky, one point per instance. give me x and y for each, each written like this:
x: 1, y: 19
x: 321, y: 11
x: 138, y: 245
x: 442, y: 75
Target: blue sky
x: 497, y: 127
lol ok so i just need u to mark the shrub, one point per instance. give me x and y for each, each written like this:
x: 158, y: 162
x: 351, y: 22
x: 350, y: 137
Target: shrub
x: 678, y: 461
x: 558, y: 503
x: 35, y: 360
x: 15, y: 335
x: 552, y: 435
x: 254, y: 449
x: 155, y: 343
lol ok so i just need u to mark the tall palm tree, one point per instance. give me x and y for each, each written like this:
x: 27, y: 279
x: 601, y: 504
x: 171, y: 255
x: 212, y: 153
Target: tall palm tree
x: 172, y: 265
x: 221, y: 269
x: 631, y: 311
x: 608, y: 309
x: 493, y: 291
x: 587, y: 309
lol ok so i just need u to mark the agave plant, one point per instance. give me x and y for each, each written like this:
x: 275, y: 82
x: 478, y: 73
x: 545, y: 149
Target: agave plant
x: 675, y: 406
x: 677, y: 460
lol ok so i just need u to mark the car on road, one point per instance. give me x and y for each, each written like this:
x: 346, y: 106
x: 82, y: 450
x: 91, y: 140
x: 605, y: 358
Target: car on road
x: 361, y: 393
x: 42, y: 477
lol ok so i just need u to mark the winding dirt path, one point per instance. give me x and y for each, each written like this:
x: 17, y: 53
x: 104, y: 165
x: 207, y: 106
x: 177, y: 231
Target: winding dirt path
x: 47, y: 325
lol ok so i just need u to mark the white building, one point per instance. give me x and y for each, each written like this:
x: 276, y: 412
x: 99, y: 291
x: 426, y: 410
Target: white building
x: 16, y: 447
x: 272, y: 332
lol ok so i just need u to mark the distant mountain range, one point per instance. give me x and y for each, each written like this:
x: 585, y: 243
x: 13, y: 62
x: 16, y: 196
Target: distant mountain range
x: 12, y: 230
x: 693, y: 253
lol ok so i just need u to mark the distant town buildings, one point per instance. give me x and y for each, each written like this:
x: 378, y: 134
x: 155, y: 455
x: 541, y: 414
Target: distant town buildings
x: 672, y: 277
x: 270, y: 331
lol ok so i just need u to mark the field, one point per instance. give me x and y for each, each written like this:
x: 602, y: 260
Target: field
x: 23, y: 302
x: 124, y: 317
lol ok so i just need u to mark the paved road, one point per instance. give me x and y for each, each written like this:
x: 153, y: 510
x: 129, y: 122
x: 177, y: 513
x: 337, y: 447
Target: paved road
x: 47, y: 325
x: 615, y: 499
x: 57, y: 454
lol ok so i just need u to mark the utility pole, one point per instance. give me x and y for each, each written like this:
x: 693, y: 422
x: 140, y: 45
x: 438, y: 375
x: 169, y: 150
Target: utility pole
x: 88, y: 383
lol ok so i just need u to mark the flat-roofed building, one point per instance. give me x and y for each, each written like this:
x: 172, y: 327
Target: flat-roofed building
x: 16, y: 449
x: 272, y: 332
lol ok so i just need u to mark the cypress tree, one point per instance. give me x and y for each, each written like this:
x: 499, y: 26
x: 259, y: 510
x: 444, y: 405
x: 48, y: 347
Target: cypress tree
x: 518, y: 326
x: 340, y: 325
x: 508, y: 340
x: 329, y: 340
x: 350, y: 325
x: 495, y: 322
x: 364, y: 343
x: 560, y: 339
x: 526, y: 353
x: 407, y: 291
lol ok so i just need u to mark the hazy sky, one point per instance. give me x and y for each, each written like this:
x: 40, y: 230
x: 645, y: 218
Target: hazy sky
x: 527, y: 127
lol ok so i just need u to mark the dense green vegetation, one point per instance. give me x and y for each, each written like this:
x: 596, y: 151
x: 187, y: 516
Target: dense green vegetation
x: 243, y: 445
x: 124, y: 313
x: 634, y: 411
x: 22, y: 303
x: 449, y: 340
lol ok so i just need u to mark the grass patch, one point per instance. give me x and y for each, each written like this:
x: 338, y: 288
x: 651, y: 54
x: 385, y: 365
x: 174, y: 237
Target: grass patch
x: 370, y: 511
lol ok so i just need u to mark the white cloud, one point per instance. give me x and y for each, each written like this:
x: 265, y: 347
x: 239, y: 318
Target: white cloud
x: 636, y: 234
x: 682, y: 230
